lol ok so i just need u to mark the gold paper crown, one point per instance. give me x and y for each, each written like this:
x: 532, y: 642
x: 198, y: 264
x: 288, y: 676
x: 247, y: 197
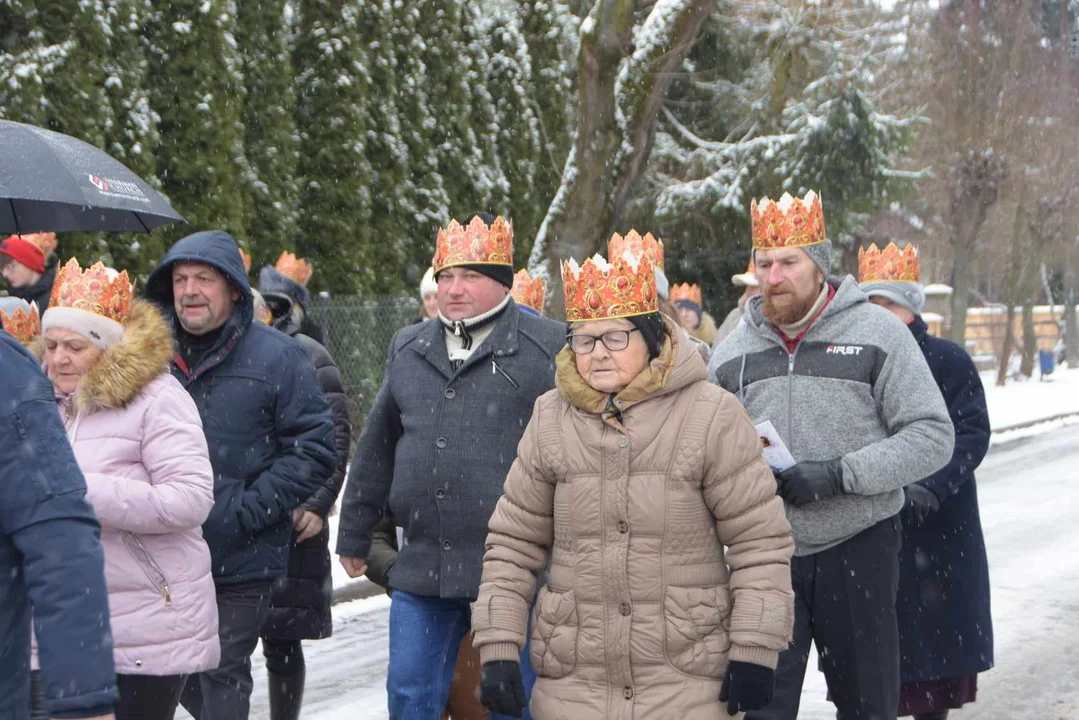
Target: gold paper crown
x: 647, y: 246
x: 685, y: 291
x: 92, y: 290
x: 601, y: 290
x: 888, y: 265
x: 22, y: 325
x: 294, y: 268
x: 45, y: 242
x: 246, y: 260
x: 789, y: 223
x: 529, y: 291
x: 476, y: 244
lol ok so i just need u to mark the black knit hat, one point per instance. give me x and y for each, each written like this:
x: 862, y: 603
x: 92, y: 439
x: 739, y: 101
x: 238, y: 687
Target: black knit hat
x: 651, y: 327
x: 499, y: 273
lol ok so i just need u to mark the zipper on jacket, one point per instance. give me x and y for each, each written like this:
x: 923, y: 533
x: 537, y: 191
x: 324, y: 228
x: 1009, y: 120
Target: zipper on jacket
x: 790, y: 394
x: 149, y: 566
x: 495, y: 367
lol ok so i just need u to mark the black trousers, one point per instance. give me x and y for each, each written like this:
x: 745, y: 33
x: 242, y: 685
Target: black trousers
x: 225, y: 693
x: 142, y: 697
x: 844, y: 601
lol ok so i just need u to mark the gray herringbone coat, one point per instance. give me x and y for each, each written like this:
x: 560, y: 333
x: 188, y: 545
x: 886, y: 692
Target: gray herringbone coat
x: 437, y: 446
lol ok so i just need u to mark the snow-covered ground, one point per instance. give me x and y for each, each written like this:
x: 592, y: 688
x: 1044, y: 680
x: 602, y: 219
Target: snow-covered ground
x: 1029, y: 494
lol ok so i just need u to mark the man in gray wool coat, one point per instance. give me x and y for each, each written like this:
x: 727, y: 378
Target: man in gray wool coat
x: 456, y: 396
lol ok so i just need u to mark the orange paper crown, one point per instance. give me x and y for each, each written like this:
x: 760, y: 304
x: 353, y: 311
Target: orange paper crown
x: 529, y: 291
x: 294, y: 268
x: 45, y: 242
x: 789, y: 223
x: 92, y: 290
x: 647, y: 246
x: 888, y: 265
x: 246, y: 260
x: 476, y: 244
x: 685, y: 291
x: 22, y: 325
x: 600, y: 290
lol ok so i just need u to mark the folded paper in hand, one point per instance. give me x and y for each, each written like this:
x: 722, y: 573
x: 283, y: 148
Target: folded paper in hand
x: 775, y: 452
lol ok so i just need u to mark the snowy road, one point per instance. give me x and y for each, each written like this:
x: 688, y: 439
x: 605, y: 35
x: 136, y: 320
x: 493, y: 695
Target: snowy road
x: 1029, y: 493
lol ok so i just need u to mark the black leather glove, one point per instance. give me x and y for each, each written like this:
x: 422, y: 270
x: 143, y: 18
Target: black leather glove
x: 921, y: 501
x: 811, y: 481
x: 746, y: 686
x: 501, y: 689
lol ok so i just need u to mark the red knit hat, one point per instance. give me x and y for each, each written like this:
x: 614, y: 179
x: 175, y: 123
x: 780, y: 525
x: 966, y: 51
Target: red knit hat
x: 29, y: 250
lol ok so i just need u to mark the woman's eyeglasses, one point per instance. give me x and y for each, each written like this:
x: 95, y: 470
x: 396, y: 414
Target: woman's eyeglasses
x: 614, y: 341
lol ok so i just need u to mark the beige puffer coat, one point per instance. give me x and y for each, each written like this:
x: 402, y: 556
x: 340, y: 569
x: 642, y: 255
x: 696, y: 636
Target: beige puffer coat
x: 640, y: 614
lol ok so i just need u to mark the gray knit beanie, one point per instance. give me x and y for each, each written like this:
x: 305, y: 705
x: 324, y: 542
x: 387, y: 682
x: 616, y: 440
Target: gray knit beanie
x: 908, y: 294
x: 820, y: 254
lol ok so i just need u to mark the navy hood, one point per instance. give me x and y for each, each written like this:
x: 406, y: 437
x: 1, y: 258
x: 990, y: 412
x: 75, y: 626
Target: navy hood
x: 272, y: 281
x: 213, y: 247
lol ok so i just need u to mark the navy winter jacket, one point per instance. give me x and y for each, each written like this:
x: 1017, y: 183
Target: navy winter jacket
x: 50, y: 556
x: 945, y: 626
x: 267, y: 423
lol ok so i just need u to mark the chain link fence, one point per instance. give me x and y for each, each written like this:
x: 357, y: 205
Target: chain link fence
x: 358, y: 332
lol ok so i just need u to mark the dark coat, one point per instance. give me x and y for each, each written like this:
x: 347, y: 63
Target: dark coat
x: 267, y: 423
x: 50, y: 555
x: 945, y: 626
x: 300, y: 605
x: 438, y: 445
x: 39, y: 292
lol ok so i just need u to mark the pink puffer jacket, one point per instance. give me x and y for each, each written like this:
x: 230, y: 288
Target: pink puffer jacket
x: 138, y: 439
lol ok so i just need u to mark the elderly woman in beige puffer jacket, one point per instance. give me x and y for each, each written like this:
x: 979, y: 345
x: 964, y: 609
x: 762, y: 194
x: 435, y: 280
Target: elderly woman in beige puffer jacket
x: 634, y: 474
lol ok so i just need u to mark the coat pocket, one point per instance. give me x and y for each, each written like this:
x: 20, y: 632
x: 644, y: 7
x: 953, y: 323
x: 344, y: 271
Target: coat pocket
x: 148, y: 565
x: 696, y: 625
x: 554, y: 634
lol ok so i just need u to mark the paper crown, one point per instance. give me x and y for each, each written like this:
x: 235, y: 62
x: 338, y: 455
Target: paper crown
x: 294, y: 268
x: 752, y: 269
x: 246, y: 260
x: 22, y: 325
x: 601, y: 290
x: 529, y: 291
x: 476, y: 244
x: 888, y: 265
x: 685, y: 291
x: 647, y: 246
x: 789, y: 223
x: 94, y: 290
x: 44, y: 242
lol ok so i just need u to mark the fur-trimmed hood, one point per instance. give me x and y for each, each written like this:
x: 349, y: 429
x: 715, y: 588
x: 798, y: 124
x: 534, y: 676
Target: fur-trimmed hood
x: 126, y: 368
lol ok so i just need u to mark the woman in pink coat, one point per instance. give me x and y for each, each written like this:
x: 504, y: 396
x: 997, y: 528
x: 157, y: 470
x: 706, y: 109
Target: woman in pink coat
x: 138, y: 439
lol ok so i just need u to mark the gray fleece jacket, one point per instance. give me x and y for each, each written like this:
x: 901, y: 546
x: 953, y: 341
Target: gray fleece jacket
x: 856, y: 387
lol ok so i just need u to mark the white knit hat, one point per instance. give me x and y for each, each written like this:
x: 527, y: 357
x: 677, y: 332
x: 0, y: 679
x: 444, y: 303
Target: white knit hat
x: 428, y: 284
x: 102, y: 331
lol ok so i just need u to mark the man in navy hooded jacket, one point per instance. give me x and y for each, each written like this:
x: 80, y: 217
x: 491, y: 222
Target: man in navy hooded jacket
x: 50, y: 556
x: 271, y: 440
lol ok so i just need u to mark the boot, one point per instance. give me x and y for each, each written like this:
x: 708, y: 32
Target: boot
x: 286, y: 696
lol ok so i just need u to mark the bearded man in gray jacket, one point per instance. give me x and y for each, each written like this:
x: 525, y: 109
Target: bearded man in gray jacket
x: 850, y: 394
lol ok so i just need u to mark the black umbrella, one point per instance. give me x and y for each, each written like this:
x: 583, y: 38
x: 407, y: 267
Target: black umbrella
x: 51, y: 182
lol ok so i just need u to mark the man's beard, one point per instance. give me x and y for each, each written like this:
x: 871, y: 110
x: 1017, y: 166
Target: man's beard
x: 791, y: 311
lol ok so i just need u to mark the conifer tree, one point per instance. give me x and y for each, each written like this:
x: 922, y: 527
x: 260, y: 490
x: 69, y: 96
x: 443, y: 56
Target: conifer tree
x: 262, y: 36
x: 335, y: 203
x: 196, y: 89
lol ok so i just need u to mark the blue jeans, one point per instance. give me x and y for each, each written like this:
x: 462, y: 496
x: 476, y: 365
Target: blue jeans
x: 425, y: 633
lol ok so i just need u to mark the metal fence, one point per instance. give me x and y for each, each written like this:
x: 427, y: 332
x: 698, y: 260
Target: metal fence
x: 358, y: 333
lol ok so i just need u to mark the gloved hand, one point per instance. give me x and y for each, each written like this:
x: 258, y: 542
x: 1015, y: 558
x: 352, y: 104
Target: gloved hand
x: 501, y: 689
x: 811, y: 481
x: 921, y: 501
x: 746, y: 687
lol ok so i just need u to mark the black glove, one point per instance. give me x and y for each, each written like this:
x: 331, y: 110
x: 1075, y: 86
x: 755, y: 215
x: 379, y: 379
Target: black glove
x: 746, y: 687
x: 921, y: 501
x: 811, y: 481
x: 501, y: 689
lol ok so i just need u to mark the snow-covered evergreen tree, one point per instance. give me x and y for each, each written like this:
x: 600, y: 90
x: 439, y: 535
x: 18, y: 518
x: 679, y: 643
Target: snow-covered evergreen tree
x: 262, y: 36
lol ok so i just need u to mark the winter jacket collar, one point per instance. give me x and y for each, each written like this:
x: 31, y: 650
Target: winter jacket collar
x: 678, y: 365
x: 41, y: 291
x: 502, y: 341
x: 125, y: 369
x: 919, y: 329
